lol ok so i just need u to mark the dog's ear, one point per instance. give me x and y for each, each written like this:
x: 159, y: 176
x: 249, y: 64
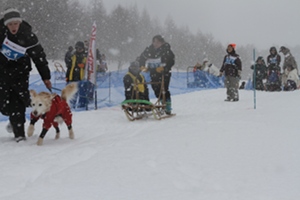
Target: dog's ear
x: 32, y: 93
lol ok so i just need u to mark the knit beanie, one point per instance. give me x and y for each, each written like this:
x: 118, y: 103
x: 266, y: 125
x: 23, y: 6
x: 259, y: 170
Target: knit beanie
x: 10, y: 15
x: 233, y: 45
x: 79, y: 44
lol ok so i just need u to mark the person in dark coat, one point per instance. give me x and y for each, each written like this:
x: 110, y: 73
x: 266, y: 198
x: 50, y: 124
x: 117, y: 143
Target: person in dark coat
x: 134, y: 83
x: 289, y: 61
x: 273, y: 71
x: 68, y: 57
x: 19, y: 46
x: 274, y: 58
x: 76, y: 72
x: 78, y: 59
x: 232, y: 67
x: 158, y: 59
x: 260, y: 73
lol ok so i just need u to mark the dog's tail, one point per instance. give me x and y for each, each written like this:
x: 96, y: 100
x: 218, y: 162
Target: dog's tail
x: 69, y: 91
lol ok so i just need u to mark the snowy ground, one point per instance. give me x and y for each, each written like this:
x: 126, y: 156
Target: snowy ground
x: 212, y: 150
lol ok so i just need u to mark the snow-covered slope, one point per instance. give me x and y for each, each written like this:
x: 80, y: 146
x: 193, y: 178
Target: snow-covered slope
x: 211, y: 149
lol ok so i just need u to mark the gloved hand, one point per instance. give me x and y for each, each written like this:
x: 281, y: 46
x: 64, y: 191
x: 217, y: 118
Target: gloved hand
x: 221, y: 74
x: 81, y: 65
x: 144, y: 69
x: 159, y: 69
x: 48, y: 84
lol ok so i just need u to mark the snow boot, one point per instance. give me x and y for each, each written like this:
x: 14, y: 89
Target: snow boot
x: 168, y: 107
x: 18, y: 129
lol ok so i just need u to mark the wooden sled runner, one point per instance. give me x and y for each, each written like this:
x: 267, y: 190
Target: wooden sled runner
x: 136, y: 109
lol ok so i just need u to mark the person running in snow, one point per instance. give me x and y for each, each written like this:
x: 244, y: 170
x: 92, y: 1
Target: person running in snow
x: 134, y: 83
x: 232, y: 67
x: 289, y: 61
x: 260, y: 73
x: 159, y: 59
x: 19, y: 46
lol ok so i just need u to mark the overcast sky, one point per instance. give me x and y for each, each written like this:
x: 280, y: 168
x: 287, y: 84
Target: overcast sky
x: 263, y: 23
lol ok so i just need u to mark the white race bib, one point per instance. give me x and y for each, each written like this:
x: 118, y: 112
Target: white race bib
x: 153, y: 63
x: 11, y: 50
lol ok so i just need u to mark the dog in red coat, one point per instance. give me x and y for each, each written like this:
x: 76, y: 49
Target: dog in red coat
x: 53, y: 109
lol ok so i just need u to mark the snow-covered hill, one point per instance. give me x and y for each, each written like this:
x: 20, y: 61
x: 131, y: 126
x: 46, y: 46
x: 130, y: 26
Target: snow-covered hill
x: 211, y: 149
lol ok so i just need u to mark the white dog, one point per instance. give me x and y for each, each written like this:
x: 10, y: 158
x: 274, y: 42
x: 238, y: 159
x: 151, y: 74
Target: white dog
x: 53, y: 109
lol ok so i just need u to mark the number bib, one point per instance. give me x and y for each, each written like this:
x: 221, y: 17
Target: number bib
x: 153, y: 63
x: 12, y: 51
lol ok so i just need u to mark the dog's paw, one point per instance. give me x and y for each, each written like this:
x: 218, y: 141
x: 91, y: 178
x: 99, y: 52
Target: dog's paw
x: 30, y: 130
x: 40, y: 141
x: 57, y: 136
x: 71, y: 134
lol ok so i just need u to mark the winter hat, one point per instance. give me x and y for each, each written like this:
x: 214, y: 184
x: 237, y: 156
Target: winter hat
x: 134, y: 67
x: 10, y: 15
x: 284, y: 50
x: 79, y: 44
x: 134, y: 64
x: 232, y: 45
x: 260, y: 58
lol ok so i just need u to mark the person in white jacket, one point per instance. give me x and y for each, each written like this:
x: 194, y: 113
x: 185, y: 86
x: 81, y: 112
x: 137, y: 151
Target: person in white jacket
x: 210, y: 68
x: 292, y: 79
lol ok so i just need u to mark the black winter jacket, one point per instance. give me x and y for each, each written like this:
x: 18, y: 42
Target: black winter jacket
x: 231, y: 64
x: 164, y: 53
x: 129, y: 86
x: 25, y: 38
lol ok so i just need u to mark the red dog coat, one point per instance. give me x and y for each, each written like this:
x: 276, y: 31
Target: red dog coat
x: 58, y: 107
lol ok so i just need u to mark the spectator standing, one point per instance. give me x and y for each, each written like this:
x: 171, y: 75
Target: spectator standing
x: 76, y: 72
x: 289, y: 61
x: 210, y: 68
x: 260, y: 73
x: 68, y: 57
x: 103, y: 64
x: 274, y: 58
x: 232, y: 67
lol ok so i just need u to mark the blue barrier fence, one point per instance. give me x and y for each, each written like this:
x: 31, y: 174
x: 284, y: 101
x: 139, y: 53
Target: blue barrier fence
x: 110, y: 89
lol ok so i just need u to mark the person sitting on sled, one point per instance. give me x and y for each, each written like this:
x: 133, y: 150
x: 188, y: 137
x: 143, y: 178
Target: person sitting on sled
x: 134, y: 83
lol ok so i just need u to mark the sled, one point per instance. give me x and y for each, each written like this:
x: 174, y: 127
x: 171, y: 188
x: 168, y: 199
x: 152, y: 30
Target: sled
x: 136, y: 109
